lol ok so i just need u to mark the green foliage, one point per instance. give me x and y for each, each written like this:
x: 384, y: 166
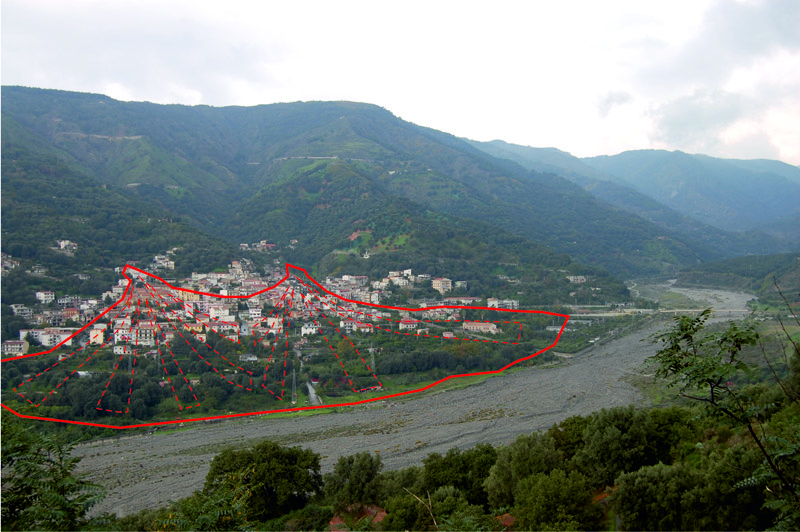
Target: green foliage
x: 568, y: 435
x: 334, y: 164
x: 278, y: 479
x: 310, y: 517
x: 453, y: 512
x: 355, y: 482
x: 40, y: 488
x: 650, y: 498
x: 618, y: 440
x: 695, y: 362
x: 45, y: 200
x: 683, y: 497
x: 705, y: 366
x: 464, y: 470
x: 394, y: 483
x: 224, y: 508
x: 753, y: 273
x: 528, y: 455
x: 404, y: 512
x: 557, y: 501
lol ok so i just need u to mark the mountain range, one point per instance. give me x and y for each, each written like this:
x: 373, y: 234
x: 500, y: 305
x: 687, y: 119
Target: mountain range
x: 343, y: 177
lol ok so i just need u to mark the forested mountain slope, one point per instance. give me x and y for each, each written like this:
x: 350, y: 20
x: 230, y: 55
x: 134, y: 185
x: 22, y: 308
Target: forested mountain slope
x: 733, y: 195
x: 776, y: 237
x: 278, y: 171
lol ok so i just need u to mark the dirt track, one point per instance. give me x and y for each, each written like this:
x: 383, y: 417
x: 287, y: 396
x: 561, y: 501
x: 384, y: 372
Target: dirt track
x: 146, y: 471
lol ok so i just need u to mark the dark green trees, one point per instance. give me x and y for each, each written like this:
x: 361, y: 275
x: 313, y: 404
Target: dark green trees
x: 707, y: 367
x: 40, y: 488
x: 278, y: 479
x: 354, y: 482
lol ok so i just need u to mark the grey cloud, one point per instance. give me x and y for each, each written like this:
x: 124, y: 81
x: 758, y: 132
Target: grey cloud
x: 611, y: 99
x: 695, y: 121
x: 152, y: 57
x: 733, y: 34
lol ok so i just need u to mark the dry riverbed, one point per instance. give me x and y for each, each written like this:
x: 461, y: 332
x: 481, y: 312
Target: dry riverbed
x: 147, y: 471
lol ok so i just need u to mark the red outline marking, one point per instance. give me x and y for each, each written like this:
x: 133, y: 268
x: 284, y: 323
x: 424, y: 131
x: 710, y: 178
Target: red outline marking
x: 127, y: 296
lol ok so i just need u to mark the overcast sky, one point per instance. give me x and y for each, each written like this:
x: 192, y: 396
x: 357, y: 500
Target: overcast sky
x: 594, y: 77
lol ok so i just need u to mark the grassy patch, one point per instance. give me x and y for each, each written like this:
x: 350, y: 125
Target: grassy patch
x: 672, y: 300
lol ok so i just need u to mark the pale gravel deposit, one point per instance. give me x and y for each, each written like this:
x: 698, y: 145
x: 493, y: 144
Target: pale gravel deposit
x: 147, y: 471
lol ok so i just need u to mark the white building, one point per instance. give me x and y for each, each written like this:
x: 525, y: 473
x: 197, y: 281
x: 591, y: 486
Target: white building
x: 408, y: 324
x: 14, y: 347
x: 493, y: 302
x: 49, y: 337
x: 442, y: 284
x: 348, y: 324
x: 46, y: 297
x: 309, y: 328
x: 480, y: 327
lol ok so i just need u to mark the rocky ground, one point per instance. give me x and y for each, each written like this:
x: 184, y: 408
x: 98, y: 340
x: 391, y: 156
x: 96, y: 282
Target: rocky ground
x: 147, y: 471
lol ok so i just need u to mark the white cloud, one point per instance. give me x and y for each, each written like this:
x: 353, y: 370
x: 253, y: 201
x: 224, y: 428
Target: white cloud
x: 587, y: 77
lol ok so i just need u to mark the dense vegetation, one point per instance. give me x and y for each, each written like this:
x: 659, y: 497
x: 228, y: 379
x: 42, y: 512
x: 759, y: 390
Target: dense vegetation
x: 44, y: 200
x: 223, y: 167
x: 729, y: 459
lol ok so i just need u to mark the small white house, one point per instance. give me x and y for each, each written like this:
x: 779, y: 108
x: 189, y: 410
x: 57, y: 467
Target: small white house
x: 309, y: 328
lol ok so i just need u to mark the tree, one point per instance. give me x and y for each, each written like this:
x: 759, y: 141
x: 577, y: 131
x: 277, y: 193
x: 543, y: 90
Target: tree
x: 279, y: 479
x: 33, y: 342
x: 224, y: 508
x: 40, y: 488
x: 695, y: 497
x: 355, y: 481
x: 616, y: 441
x: 568, y: 435
x: 527, y: 455
x: 650, y: 498
x: 465, y: 471
x: 705, y: 366
x: 557, y: 501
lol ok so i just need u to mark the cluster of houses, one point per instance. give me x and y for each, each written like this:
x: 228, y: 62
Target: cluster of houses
x: 67, y: 308
x: 262, y: 246
x: 8, y: 263
x: 407, y: 278
x: 234, y: 317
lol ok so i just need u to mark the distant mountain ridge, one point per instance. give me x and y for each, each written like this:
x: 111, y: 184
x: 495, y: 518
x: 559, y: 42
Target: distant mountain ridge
x: 734, y: 195
x: 318, y: 170
x: 598, y: 179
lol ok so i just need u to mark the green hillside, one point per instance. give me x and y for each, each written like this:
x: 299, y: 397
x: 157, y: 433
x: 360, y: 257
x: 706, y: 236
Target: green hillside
x: 778, y: 237
x: 215, y: 167
x: 728, y: 195
x: 44, y: 200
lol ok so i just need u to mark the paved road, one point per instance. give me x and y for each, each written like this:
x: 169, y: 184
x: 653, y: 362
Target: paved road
x: 146, y: 471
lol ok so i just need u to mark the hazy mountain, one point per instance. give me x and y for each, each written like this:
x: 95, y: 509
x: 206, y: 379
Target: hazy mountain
x: 315, y: 169
x: 732, y: 195
x: 776, y: 237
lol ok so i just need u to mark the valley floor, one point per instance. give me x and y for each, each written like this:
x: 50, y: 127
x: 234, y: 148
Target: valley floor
x: 147, y: 471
